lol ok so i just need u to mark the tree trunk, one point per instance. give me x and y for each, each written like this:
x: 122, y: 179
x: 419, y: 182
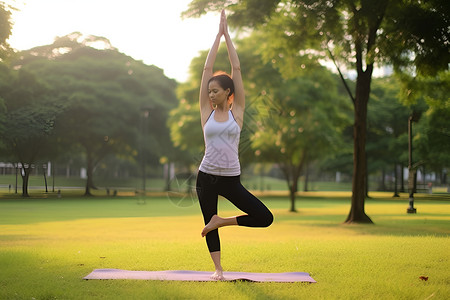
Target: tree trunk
x: 45, y: 181
x: 292, y: 174
x: 357, y: 213
x: 90, y: 173
x: 293, y: 188
x: 17, y: 170
x: 305, y: 188
x: 366, y: 184
x: 292, y: 199
x: 395, y: 181
x: 291, y: 179
x: 383, y: 180
x: 402, y: 179
x: 25, y: 178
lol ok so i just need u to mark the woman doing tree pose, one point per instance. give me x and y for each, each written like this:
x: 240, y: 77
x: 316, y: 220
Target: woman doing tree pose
x: 222, y: 104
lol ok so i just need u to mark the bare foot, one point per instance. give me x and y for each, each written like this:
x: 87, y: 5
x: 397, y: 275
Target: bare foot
x: 213, y: 224
x: 218, y: 275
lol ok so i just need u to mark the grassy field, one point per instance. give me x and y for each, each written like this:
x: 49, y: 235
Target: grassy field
x: 48, y: 245
x: 252, y: 182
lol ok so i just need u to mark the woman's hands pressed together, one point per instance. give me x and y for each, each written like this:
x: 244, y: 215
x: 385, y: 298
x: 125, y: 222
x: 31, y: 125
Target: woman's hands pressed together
x: 223, y: 23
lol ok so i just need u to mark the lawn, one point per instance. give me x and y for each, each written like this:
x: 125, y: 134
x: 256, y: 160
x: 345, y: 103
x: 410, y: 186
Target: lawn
x: 155, y: 184
x: 48, y: 245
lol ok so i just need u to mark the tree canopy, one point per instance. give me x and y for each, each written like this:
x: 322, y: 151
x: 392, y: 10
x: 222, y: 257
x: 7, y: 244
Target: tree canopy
x: 28, y: 120
x: 104, y: 98
x: 353, y: 34
x: 5, y: 30
x: 288, y: 122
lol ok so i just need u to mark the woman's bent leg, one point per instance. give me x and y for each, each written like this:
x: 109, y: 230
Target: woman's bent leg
x: 216, y: 222
x: 257, y: 214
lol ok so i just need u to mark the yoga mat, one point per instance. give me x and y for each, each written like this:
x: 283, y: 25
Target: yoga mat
x: 198, y: 276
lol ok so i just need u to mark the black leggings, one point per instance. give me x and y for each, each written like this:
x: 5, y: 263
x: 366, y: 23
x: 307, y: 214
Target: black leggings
x: 209, y: 187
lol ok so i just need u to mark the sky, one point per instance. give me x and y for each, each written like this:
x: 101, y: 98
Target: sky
x: 147, y: 30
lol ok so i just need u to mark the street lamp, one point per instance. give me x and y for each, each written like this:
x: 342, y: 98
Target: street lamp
x: 146, y: 112
x: 414, y: 117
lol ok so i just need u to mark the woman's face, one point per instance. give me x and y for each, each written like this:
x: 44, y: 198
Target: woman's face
x: 217, y: 94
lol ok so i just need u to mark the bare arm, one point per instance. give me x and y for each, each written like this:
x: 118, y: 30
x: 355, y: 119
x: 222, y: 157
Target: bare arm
x: 205, y: 104
x: 239, y: 93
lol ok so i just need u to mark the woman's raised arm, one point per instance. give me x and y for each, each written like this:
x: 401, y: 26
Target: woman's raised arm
x: 205, y: 104
x: 239, y: 94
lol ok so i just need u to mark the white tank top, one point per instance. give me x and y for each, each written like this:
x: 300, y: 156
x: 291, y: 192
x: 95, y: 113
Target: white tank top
x: 221, y: 147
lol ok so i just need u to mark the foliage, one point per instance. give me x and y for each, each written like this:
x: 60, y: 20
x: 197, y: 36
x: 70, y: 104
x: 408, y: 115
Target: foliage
x: 28, y: 121
x: 387, y: 127
x: 109, y: 100
x: 356, y: 34
x: 306, y: 126
x: 433, y: 90
x: 5, y: 30
x: 288, y: 122
x: 427, y: 95
x: 432, y: 139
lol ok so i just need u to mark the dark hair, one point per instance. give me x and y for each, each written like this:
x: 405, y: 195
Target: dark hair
x: 224, y: 81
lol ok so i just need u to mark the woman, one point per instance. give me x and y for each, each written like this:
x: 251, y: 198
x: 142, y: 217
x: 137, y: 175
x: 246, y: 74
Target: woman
x: 222, y: 104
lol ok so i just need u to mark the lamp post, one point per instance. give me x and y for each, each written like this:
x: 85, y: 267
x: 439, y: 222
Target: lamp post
x: 144, y: 161
x: 146, y: 112
x: 414, y: 117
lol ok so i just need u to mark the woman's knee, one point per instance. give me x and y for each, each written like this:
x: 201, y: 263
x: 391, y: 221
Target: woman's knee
x: 268, y: 219
x: 265, y: 219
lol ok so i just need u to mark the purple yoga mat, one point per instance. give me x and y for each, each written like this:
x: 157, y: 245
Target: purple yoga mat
x: 198, y: 276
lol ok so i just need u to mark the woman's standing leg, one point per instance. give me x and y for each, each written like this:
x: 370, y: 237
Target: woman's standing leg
x: 207, y: 196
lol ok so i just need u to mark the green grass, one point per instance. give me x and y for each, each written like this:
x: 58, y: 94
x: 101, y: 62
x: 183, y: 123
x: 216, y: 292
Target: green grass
x: 48, y: 245
x: 129, y: 185
x: 250, y: 181
x: 62, y: 182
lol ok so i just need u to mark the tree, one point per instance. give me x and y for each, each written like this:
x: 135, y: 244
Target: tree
x: 288, y: 122
x: 387, y: 129
x: 431, y: 139
x: 307, y: 127
x: 28, y: 122
x: 355, y: 33
x: 104, y: 94
x: 5, y: 30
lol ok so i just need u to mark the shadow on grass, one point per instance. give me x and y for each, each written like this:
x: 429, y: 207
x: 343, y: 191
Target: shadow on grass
x: 389, y: 216
x: 384, y: 225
